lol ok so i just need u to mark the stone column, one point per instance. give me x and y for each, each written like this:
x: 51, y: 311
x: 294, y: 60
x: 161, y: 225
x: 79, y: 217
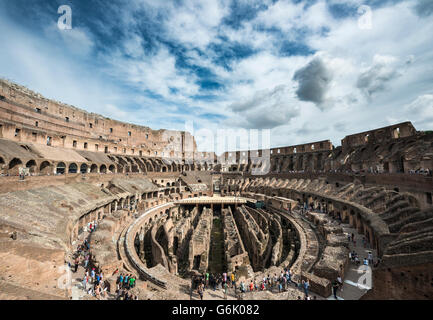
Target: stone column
x: 141, y: 239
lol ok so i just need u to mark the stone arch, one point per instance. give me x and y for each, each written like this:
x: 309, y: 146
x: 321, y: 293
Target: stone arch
x: 155, y: 164
x: 103, y: 168
x: 164, y: 169
x: 73, y: 168
x: 93, y: 168
x: 31, y: 164
x: 134, y: 165
x: 2, y: 162
x: 149, y: 166
x: 112, y: 168
x: 141, y: 164
x: 14, y: 166
x: 83, y: 168
x: 174, y: 167
x: 61, y: 168
x: 45, y: 167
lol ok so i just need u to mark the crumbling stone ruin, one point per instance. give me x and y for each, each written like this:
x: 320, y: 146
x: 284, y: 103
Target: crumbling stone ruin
x: 165, y: 211
x: 235, y: 252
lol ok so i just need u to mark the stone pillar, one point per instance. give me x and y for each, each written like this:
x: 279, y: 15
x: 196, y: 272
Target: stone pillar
x: 141, y: 239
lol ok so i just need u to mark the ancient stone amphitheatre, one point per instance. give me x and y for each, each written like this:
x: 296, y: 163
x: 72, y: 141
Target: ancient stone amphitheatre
x: 166, y: 211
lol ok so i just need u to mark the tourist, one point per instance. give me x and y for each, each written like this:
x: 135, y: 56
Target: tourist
x: 288, y: 277
x: 132, y: 282
x: 126, y: 281
x: 340, y: 282
x: 357, y: 260
x: 242, y: 287
x: 370, y: 258
x: 120, y: 281
x: 93, y: 274
x: 84, y: 282
x: 77, y: 261
x: 226, y: 286
x: 365, y: 264
x: 335, y: 286
x: 200, y: 291
x: 306, y: 287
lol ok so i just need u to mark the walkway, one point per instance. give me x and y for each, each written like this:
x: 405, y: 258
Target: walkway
x: 356, y: 282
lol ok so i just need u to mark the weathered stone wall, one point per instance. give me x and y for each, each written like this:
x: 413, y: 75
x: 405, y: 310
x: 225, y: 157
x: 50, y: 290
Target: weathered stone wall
x: 37, y: 118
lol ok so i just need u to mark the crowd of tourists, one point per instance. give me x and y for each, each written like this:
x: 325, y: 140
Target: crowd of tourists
x: 225, y: 281
x: 124, y: 283
x: 93, y: 278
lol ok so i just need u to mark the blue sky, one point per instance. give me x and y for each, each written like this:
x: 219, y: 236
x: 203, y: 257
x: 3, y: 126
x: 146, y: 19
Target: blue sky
x: 306, y: 70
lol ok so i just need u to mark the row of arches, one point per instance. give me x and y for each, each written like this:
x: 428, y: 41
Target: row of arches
x: 122, y: 165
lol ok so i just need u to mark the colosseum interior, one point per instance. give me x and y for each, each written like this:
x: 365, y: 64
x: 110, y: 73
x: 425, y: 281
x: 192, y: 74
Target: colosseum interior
x: 167, y: 212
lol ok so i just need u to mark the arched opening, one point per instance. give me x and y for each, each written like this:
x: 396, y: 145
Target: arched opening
x: 45, y: 167
x: 93, y: 168
x: 119, y: 168
x: 103, y: 169
x: 2, y: 162
x: 149, y: 166
x: 83, y: 168
x: 31, y: 165
x: 61, y: 168
x: 14, y: 166
x: 164, y: 169
x: 112, y: 168
x: 73, y: 168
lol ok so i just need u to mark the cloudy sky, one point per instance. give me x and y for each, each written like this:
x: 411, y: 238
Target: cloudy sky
x: 307, y: 70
